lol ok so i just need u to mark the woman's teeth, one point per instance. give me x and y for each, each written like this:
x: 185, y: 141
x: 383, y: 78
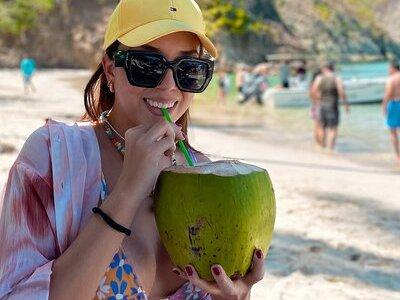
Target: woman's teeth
x: 160, y: 105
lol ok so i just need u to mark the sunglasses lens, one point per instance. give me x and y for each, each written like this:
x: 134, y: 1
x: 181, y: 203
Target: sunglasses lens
x: 192, y: 75
x: 145, y: 70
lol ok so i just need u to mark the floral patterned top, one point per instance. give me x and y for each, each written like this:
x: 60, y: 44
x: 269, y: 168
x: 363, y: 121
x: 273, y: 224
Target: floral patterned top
x: 119, y: 281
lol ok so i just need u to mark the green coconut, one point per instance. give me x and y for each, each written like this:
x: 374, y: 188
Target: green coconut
x: 215, y: 213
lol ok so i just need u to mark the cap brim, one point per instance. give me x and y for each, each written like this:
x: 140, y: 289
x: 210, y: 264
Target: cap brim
x: 154, y: 30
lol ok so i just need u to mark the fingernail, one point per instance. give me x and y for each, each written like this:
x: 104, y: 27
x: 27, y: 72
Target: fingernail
x: 258, y: 254
x: 216, y: 271
x: 189, y: 271
x: 176, y: 272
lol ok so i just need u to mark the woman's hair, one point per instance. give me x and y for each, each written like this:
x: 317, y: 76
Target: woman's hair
x: 98, y: 97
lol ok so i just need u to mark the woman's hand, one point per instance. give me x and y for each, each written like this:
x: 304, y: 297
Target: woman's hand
x: 224, y: 287
x: 148, y: 151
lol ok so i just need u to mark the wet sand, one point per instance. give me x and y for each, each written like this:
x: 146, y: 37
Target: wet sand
x: 337, y: 232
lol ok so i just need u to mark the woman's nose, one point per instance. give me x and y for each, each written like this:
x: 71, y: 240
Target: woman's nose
x: 168, y: 81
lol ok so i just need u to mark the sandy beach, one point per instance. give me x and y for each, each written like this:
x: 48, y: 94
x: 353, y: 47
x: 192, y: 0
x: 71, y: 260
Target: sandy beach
x: 337, y: 233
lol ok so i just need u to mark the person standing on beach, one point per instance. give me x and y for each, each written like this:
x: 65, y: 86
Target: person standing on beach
x: 241, y: 79
x: 391, y: 105
x: 315, y: 111
x: 223, y: 86
x: 328, y: 89
x: 28, y: 68
x: 77, y: 218
x: 258, y: 85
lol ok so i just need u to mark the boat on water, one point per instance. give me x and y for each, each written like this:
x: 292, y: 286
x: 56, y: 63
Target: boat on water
x: 364, y: 85
x: 358, y: 91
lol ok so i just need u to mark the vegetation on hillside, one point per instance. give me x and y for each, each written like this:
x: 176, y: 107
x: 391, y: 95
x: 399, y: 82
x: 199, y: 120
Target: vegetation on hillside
x: 231, y: 17
x: 17, y: 16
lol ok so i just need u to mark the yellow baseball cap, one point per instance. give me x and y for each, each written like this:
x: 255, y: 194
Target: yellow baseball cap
x: 138, y: 22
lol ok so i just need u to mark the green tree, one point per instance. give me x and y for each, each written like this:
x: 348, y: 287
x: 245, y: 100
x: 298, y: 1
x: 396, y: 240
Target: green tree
x: 17, y: 16
x: 226, y: 18
x: 230, y: 16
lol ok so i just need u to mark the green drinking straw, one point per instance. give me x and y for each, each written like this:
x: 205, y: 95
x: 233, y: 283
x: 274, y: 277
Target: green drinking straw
x: 181, y: 145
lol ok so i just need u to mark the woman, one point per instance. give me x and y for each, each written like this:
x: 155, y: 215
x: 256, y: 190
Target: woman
x: 77, y: 219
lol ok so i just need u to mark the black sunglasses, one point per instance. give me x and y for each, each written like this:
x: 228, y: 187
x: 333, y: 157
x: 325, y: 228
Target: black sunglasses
x: 147, y: 69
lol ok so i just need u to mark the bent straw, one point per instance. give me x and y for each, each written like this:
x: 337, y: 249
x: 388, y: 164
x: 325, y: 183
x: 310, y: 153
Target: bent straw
x: 181, y: 145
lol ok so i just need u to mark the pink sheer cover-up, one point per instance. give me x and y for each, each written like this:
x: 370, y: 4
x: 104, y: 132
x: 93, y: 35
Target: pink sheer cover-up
x: 51, y: 189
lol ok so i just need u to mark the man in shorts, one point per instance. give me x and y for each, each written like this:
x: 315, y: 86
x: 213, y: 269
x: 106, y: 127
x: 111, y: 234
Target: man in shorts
x: 329, y: 90
x: 391, y: 105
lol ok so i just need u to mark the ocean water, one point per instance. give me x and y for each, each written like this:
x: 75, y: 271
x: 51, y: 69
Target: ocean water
x: 363, y: 70
x: 363, y: 134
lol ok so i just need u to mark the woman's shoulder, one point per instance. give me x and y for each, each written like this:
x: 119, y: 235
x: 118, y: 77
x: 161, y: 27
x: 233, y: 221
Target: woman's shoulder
x: 52, y: 130
x: 37, y: 149
x: 77, y: 128
x: 35, y: 152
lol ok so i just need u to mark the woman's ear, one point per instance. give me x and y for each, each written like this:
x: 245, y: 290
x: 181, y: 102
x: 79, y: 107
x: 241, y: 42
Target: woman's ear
x: 109, y: 68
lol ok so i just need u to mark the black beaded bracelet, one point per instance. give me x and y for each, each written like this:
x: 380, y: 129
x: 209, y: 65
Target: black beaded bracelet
x: 111, y: 222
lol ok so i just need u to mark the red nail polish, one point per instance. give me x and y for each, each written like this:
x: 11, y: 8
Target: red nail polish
x: 176, y: 272
x: 258, y: 254
x: 189, y: 271
x: 216, y: 271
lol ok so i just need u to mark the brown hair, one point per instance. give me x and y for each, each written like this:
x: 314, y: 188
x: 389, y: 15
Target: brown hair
x: 98, y: 98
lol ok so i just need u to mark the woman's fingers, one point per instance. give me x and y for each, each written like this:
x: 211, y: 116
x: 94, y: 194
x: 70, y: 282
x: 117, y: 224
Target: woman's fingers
x: 193, y: 277
x: 167, y: 144
x: 225, y: 284
x: 257, y: 270
x: 163, y: 128
x: 135, y: 132
x: 180, y: 273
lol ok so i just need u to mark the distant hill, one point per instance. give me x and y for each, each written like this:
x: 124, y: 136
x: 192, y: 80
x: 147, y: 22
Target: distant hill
x: 326, y: 28
x: 72, y: 36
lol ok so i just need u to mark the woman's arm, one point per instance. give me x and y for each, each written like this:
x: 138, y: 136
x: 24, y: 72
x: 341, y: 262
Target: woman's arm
x: 30, y: 263
x: 77, y: 273
x: 27, y: 239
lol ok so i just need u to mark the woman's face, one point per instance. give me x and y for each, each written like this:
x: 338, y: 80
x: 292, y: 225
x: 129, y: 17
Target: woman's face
x: 136, y: 105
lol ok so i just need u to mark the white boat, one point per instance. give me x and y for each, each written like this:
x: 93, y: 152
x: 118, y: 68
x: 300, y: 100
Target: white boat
x: 357, y: 91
